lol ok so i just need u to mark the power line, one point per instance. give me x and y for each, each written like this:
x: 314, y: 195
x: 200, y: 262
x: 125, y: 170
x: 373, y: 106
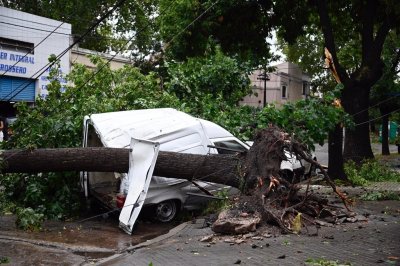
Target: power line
x: 32, y: 49
x: 32, y: 28
x: 116, y: 53
x: 43, y: 30
x: 71, y: 35
x: 200, y: 178
x: 94, y: 73
x: 366, y: 122
x: 167, y: 44
x: 30, y: 21
x: 43, y: 69
x: 191, y: 23
x: 383, y: 101
x: 45, y: 24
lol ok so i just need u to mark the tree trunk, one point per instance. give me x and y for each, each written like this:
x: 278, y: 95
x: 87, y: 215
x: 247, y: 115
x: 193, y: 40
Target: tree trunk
x: 254, y: 169
x: 355, y: 100
x: 385, y: 133
x: 335, y: 154
x: 221, y: 169
x: 255, y: 172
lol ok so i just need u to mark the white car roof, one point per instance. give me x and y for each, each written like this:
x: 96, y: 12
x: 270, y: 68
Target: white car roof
x: 215, y: 131
x: 117, y: 128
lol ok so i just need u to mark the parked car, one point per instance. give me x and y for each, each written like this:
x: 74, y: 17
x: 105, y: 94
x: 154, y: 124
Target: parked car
x: 176, y: 132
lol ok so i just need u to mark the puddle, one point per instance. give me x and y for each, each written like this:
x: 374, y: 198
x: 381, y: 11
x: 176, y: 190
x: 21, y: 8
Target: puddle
x: 99, y: 232
x: 93, y: 255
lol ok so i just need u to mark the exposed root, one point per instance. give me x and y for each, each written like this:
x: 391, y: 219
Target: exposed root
x: 277, y: 198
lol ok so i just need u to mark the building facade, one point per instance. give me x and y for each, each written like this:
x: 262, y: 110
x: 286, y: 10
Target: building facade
x: 26, y: 43
x: 81, y: 56
x: 288, y: 83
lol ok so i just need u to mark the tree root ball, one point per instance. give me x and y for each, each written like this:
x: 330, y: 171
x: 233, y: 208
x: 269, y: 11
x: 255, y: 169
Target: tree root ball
x: 269, y: 198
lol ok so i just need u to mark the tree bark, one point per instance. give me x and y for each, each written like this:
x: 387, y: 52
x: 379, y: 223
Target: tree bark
x: 357, y: 85
x: 335, y: 154
x: 355, y: 100
x: 221, y: 169
x: 259, y: 168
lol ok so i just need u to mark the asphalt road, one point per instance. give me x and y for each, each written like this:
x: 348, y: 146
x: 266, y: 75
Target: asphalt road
x: 370, y: 241
x: 321, y: 152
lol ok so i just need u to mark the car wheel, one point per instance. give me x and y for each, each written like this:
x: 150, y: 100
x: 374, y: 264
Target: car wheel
x: 166, y: 211
x: 287, y: 175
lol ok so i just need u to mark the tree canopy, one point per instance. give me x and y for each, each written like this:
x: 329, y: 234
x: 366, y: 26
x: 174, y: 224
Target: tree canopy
x: 206, y: 46
x: 238, y: 27
x: 131, y: 18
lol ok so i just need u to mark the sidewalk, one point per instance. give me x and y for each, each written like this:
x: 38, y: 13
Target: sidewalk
x: 370, y: 242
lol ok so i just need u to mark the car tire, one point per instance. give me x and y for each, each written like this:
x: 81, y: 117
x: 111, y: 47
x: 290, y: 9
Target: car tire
x: 166, y: 211
x: 287, y: 175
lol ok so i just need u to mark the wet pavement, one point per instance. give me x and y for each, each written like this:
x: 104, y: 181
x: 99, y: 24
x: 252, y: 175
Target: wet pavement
x: 99, y: 241
x: 374, y: 241
x: 71, y: 243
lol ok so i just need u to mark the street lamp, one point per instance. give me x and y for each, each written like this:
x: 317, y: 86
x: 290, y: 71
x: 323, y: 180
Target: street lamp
x: 264, y: 76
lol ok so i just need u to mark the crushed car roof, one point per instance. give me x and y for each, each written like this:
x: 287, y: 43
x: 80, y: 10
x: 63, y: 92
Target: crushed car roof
x: 117, y: 128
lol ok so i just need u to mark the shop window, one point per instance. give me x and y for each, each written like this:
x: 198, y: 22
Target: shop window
x: 17, y: 46
x: 17, y: 89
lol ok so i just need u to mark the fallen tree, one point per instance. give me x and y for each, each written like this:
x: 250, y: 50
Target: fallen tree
x: 257, y: 173
x: 215, y: 168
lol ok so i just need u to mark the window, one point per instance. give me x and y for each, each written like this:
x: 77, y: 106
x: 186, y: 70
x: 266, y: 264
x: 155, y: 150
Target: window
x: 284, y: 91
x: 17, y: 46
x: 304, y: 90
x: 229, y: 147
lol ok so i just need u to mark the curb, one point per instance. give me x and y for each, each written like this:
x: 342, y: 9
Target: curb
x: 61, y: 246
x: 157, y: 239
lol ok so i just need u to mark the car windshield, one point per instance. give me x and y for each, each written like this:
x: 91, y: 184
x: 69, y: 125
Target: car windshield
x: 229, y: 147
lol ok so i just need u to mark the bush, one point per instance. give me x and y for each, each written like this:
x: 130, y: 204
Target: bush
x: 374, y: 171
x: 370, y: 171
x: 56, y: 122
x: 377, y: 195
x: 353, y: 174
x: 216, y: 206
x: 28, y: 219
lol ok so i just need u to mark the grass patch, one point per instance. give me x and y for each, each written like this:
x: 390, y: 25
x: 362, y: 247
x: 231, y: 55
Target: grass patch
x: 370, y: 171
x: 4, y: 260
x: 216, y: 206
x: 324, y: 262
x: 378, y: 195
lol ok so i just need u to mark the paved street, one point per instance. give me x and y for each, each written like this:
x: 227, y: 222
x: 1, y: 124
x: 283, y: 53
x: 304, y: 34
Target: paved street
x: 100, y: 242
x: 321, y: 152
x: 372, y: 242
x: 368, y: 242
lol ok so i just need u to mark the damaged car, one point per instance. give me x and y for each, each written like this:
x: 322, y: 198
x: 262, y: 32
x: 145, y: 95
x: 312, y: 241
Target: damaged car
x: 164, y: 129
x: 175, y: 131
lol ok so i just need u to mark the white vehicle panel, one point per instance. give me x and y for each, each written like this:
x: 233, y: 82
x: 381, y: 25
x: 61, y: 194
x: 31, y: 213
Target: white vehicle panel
x: 142, y: 159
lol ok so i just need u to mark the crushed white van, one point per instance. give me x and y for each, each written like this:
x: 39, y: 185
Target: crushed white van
x: 174, y: 131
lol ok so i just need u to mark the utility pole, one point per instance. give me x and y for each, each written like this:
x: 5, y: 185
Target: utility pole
x: 264, y: 76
